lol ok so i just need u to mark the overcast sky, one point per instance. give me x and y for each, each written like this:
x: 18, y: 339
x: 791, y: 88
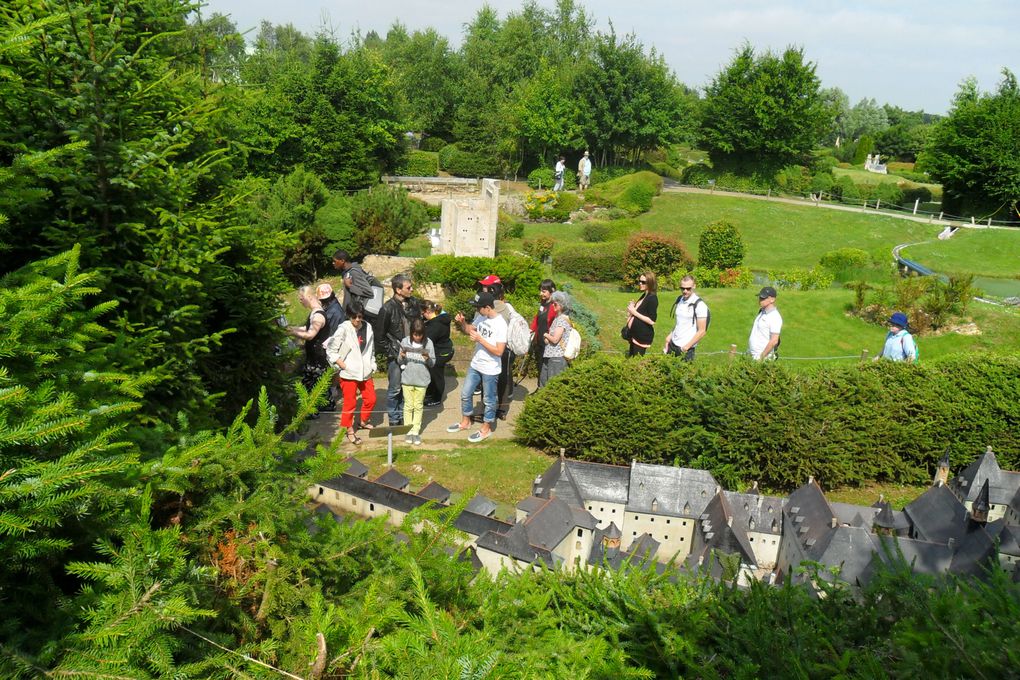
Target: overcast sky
x: 904, y: 52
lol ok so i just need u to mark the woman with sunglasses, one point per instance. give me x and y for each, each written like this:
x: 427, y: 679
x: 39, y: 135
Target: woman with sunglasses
x: 641, y: 315
x: 352, y: 351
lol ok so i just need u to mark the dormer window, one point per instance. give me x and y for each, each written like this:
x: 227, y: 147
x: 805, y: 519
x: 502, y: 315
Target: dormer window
x: 655, y: 505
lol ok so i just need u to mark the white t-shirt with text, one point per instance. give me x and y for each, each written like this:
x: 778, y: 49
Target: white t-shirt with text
x: 493, y: 331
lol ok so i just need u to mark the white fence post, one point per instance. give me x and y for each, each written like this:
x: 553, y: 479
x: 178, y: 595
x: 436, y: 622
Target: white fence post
x: 917, y: 202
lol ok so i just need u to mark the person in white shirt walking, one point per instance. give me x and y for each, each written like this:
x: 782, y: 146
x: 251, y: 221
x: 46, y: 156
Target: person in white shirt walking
x: 489, y: 331
x: 691, y: 322
x: 583, y: 172
x: 764, y: 339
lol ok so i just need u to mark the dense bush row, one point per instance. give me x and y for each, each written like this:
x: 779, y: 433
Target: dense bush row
x: 463, y: 273
x: 846, y: 424
x: 596, y: 262
x: 421, y: 164
x: 467, y: 164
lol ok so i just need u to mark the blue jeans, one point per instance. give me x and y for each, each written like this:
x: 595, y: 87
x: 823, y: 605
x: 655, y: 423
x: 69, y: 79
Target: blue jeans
x: 467, y: 405
x: 394, y: 393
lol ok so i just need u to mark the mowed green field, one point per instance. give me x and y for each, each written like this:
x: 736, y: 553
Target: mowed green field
x: 776, y: 235
x: 982, y: 252
x: 780, y: 235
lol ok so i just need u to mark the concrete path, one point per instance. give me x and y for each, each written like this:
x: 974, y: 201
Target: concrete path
x: 436, y: 420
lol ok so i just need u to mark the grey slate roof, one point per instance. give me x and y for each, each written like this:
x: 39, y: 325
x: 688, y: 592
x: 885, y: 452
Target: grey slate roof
x: 576, y: 481
x: 480, y: 505
x: 355, y: 467
x: 531, y: 504
x: 937, y: 515
x: 721, y: 532
x: 810, y: 514
x: 554, y: 521
x: 924, y: 557
x: 756, y: 512
x: 849, y: 548
x: 1002, y: 484
x: 393, y: 479
x: 643, y: 546
x: 373, y: 492
x: 1008, y: 543
x: 435, y: 492
x: 976, y: 549
x: 514, y: 543
x: 476, y: 525
x: 678, y: 492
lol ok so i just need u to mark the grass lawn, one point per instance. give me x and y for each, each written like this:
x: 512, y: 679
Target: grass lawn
x: 780, y: 235
x: 499, y: 469
x: 986, y: 252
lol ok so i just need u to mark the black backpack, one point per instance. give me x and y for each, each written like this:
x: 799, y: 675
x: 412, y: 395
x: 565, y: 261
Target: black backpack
x: 694, y: 317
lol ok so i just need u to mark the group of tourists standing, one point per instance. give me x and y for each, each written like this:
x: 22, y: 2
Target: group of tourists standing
x: 692, y: 317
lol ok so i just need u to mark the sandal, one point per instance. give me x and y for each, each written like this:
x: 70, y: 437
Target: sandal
x: 366, y: 426
x: 353, y: 438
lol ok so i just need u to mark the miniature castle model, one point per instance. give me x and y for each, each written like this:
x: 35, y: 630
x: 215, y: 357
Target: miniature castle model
x: 875, y: 164
x: 590, y: 515
x: 468, y: 225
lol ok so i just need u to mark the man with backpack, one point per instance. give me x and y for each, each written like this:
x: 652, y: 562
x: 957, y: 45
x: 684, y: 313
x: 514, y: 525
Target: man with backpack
x: 357, y: 282
x: 692, y: 319
x: 518, y: 338
x: 899, y: 343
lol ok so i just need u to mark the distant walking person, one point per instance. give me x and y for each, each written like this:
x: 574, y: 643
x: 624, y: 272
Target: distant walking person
x: 352, y: 350
x: 558, y: 172
x: 641, y: 316
x: 764, y: 340
x: 899, y: 343
x: 691, y: 314
x: 583, y: 172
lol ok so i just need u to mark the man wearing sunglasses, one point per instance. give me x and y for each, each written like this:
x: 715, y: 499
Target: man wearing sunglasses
x: 691, y: 314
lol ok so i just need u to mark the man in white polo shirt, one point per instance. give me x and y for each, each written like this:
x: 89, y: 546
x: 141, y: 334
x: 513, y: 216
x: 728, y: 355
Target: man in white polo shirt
x: 489, y: 331
x: 764, y: 338
x: 691, y: 314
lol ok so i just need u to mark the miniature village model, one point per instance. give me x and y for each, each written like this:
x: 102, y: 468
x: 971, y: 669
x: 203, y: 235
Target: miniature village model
x: 590, y: 515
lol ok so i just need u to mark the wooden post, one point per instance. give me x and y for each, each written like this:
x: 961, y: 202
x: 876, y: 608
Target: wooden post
x: 864, y: 354
x: 989, y: 221
x: 972, y: 219
x: 878, y: 203
x: 733, y: 352
x: 917, y: 202
x: 769, y: 194
x: 940, y: 216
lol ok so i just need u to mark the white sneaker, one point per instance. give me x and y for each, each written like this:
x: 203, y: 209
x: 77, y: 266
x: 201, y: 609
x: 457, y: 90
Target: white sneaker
x: 409, y: 439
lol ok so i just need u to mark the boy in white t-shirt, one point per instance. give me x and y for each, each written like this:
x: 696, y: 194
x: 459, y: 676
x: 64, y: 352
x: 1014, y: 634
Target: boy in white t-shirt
x: 489, y: 331
x: 764, y: 338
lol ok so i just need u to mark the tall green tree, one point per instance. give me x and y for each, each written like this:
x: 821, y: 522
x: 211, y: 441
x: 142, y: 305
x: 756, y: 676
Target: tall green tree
x: 762, y: 112
x: 428, y: 77
x: 975, y: 151
x: 628, y: 101
x: 143, y: 193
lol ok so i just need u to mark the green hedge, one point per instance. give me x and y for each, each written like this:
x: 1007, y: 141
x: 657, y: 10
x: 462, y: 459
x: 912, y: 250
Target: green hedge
x: 598, y: 262
x: 844, y: 424
x: 463, y: 273
x: 467, y: 164
x: 421, y: 164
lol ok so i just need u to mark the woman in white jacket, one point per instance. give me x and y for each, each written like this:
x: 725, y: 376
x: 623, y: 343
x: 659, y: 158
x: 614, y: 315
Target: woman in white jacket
x: 351, y: 350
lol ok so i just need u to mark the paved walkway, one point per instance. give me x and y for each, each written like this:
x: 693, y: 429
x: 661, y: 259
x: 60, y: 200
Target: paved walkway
x: 435, y: 421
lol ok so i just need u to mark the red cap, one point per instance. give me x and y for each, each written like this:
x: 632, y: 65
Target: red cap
x: 490, y: 280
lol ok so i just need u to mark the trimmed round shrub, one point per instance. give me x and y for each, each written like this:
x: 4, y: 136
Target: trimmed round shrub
x: 633, y: 193
x: 595, y: 232
x: 845, y: 258
x: 539, y: 248
x: 601, y: 262
x: 656, y: 253
x: 822, y: 183
x: 889, y: 193
x: 720, y: 246
x: 912, y: 194
x: 421, y: 164
x: 467, y: 163
x: 746, y: 421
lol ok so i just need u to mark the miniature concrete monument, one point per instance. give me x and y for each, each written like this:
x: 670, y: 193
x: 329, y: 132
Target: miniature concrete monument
x: 468, y: 225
